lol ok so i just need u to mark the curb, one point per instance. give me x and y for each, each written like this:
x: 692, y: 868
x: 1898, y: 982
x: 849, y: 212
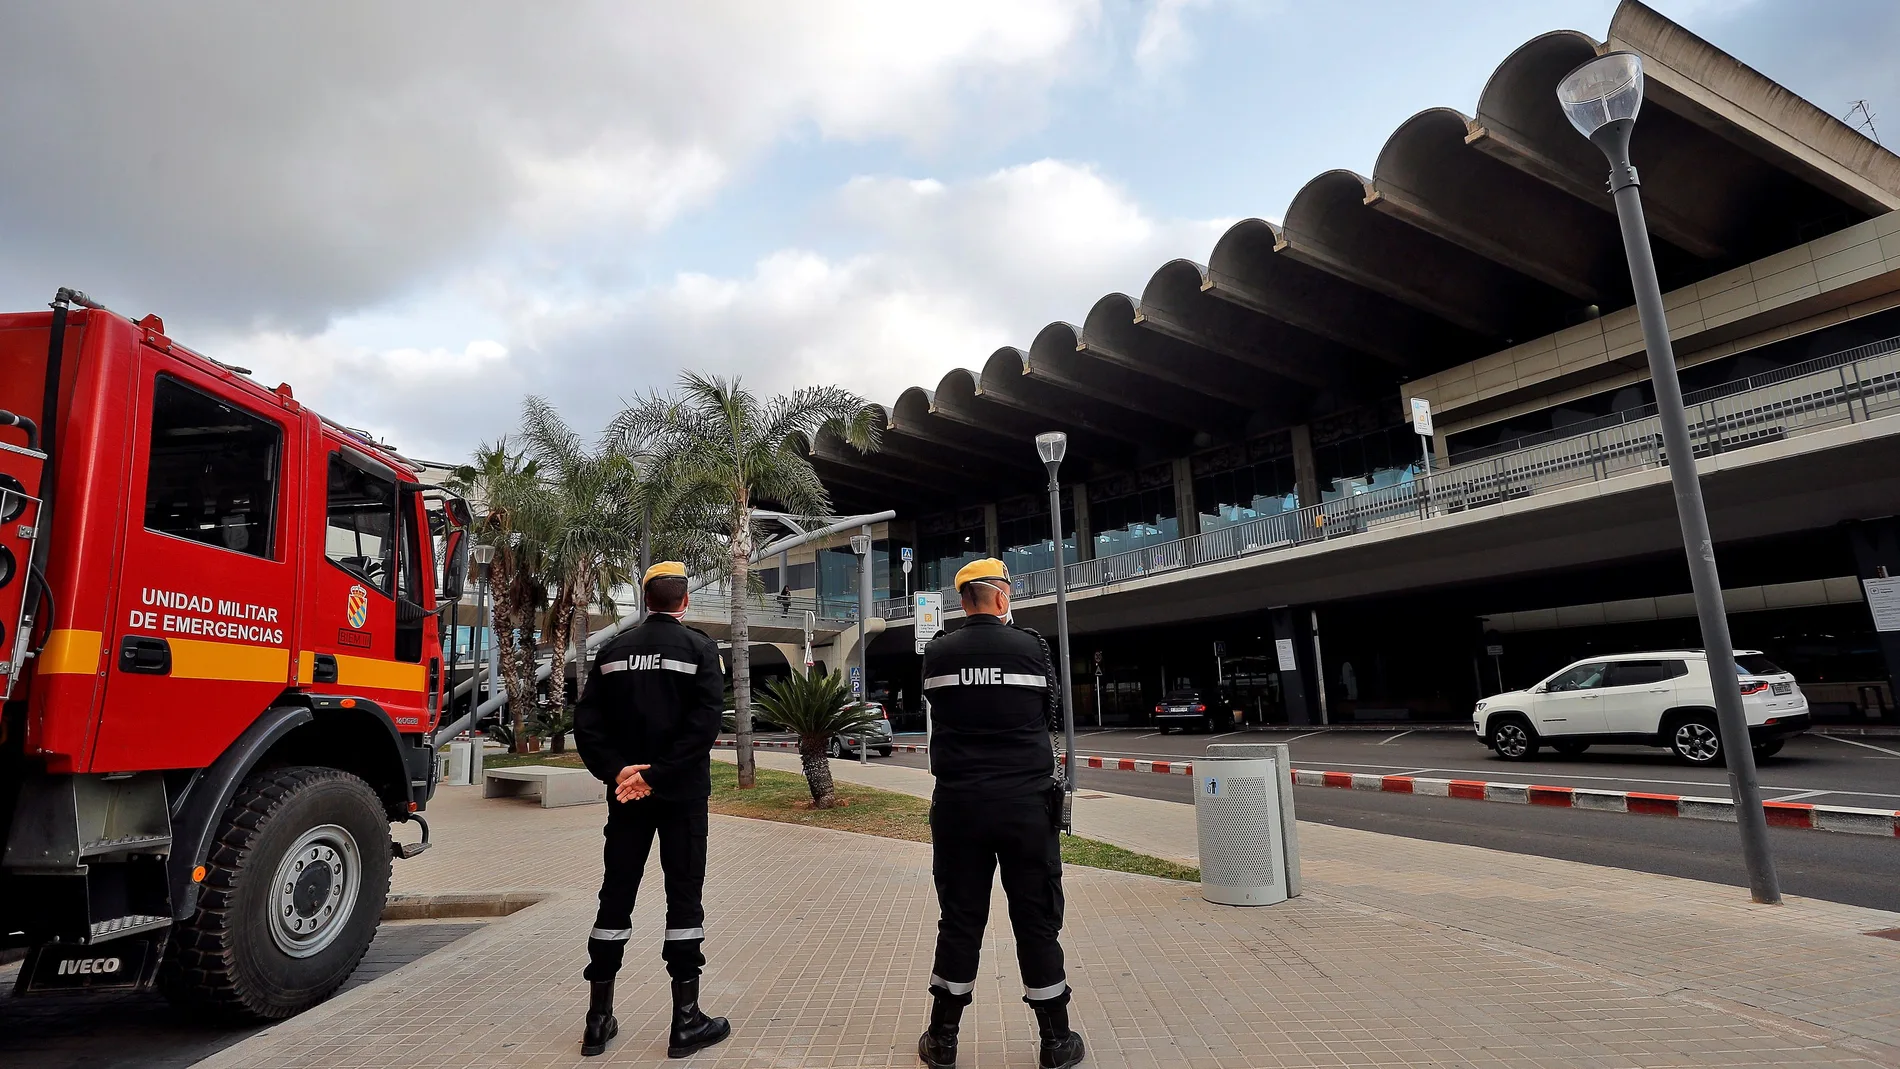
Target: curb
x: 1849, y: 820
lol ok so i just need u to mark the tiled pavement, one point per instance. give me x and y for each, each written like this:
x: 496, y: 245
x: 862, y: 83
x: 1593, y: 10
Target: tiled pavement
x: 1401, y: 953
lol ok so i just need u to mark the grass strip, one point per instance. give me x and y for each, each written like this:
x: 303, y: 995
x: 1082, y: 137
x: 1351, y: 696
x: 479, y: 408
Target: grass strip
x: 783, y: 796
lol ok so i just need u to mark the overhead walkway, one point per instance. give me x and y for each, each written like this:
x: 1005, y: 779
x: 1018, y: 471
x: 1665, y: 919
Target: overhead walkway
x: 1841, y: 395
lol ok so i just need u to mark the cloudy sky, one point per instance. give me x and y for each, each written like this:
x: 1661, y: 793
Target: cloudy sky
x: 418, y: 212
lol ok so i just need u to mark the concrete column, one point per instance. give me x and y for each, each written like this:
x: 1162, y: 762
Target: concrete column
x: 1187, y: 516
x: 1305, y: 471
x: 991, y: 540
x: 1084, y: 538
x: 1877, y: 553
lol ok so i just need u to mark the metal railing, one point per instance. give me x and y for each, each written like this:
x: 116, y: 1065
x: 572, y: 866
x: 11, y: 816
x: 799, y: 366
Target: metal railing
x: 1831, y: 391
x: 771, y: 610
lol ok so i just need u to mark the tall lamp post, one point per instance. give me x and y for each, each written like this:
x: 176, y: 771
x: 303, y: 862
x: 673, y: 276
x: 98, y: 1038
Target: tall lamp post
x: 861, y: 545
x: 484, y: 558
x: 1601, y: 99
x: 1051, y: 447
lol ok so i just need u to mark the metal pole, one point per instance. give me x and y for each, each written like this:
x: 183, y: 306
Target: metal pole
x: 475, y: 736
x: 1319, y: 673
x: 1694, y: 519
x: 1062, y: 642
x: 864, y: 638
x: 494, y: 656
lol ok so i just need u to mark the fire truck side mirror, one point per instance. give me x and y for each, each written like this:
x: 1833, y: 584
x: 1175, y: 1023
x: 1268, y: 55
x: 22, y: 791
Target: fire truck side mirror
x: 454, y: 564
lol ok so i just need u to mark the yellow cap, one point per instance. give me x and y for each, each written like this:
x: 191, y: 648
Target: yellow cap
x: 663, y: 569
x: 987, y: 568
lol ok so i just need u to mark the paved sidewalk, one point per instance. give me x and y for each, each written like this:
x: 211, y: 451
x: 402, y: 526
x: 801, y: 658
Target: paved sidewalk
x: 1401, y: 953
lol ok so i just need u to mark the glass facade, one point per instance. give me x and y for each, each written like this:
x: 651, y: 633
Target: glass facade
x: 1364, y: 451
x: 1245, y: 482
x: 1022, y: 530
x: 1129, y: 512
x: 946, y: 542
x: 838, y: 577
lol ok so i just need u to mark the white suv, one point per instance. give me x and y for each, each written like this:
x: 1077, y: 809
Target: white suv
x: 1649, y: 699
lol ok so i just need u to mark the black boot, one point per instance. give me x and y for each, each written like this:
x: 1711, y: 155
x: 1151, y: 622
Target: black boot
x: 938, y: 1046
x: 601, y: 1023
x: 1061, y: 1046
x: 692, y: 1030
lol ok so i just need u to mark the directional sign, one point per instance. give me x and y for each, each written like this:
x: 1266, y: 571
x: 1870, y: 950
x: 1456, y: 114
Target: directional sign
x: 906, y: 555
x: 928, y: 615
x: 1422, y: 416
x: 1883, y: 599
x: 857, y: 682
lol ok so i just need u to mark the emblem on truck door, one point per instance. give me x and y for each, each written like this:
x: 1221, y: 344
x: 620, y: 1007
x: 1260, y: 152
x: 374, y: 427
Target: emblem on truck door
x: 359, y: 606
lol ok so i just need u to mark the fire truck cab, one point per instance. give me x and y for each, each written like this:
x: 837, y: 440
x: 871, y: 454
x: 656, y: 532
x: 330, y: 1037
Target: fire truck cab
x: 221, y: 660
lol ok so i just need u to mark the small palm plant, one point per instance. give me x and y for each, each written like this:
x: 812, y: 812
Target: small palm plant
x: 816, y: 708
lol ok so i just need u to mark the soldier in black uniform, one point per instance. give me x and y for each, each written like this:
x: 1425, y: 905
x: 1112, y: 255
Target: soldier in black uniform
x: 998, y: 805
x: 645, y: 725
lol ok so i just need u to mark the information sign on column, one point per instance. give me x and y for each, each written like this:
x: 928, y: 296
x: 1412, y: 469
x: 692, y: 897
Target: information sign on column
x: 928, y: 614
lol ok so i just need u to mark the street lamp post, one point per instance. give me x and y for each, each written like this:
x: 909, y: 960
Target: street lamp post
x: 861, y: 545
x: 1051, y: 447
x: 484, y: 558
x: 1601, y: 99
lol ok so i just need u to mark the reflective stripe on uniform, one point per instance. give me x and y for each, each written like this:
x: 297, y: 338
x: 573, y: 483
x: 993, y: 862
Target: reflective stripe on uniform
x: 675, y: 935
x: 666, y: 663
x: 1006, y: 679
x: 1038, y: 994
x: 950, y: 986
x: 611, y: 935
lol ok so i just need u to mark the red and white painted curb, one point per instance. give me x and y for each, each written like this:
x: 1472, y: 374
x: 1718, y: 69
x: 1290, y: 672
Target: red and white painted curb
x: 1837, y: 818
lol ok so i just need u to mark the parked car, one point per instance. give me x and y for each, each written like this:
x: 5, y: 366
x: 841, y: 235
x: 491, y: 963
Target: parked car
x: 878, y: 734
x: 1185, y: 709
x: 1647, y: 699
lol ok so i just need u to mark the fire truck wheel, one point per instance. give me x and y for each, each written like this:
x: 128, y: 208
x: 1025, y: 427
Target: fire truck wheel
x: 294, y: 891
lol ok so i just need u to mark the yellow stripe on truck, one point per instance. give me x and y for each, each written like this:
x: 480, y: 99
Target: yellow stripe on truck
x: 379, y: 674
x: 195, y: 658
x: 70, y: 653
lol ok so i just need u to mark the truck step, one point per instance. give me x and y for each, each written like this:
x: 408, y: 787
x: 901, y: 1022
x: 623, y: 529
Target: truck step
x: 121, y: 927
x: 127, y: 844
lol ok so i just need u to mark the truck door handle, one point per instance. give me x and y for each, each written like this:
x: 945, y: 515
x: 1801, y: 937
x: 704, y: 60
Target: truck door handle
x: 145, y: 656
x: 324, y: 668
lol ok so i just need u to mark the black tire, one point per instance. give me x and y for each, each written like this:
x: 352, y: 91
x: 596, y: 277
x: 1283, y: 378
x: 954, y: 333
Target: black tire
x: 837, y: 748
x: 884, y: 751
x: 1161, y: 729
x: 1570, y: 749
x: 1514, y: 739
x: 1769, y: 748
x: 230, y: 958
x: 1696, y: 739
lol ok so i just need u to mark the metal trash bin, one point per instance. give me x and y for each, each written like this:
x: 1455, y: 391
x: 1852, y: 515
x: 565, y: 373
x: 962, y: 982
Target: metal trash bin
x: 1243, y: 812
x: 455, y: 769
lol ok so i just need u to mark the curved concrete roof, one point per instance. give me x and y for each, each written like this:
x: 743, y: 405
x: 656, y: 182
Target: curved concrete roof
x: 1473, y: 233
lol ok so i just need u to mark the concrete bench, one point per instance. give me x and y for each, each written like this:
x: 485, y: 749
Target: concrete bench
x: 555, y: 786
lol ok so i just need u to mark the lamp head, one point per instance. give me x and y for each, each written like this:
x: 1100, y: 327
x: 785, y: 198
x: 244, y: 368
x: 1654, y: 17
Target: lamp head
x: 483, y: 555
x: 860, y: 544
x: 1051, y: 446
x: 1601, y: 97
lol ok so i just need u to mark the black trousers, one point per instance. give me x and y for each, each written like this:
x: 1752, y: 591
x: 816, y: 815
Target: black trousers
x: 972, y: 839
x: 631, y: 826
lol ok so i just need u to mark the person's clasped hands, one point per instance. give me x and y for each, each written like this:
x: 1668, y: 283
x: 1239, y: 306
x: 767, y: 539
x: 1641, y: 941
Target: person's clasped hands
x: 630, y: 786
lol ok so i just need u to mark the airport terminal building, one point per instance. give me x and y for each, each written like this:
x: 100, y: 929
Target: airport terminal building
x: 1246, y: 508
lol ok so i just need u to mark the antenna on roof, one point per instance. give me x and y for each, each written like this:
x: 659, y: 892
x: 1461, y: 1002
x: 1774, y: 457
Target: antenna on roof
x: 1866, y: 119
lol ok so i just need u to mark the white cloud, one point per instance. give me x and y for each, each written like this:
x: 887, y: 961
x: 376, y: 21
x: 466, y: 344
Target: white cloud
x: 285, y: 165
x: 949, y: 272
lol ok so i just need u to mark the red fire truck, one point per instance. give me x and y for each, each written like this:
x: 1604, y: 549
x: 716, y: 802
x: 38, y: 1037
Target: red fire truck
x: 221, y: 660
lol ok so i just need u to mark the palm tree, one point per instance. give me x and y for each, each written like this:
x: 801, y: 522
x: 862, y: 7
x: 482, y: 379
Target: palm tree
x: 596, y: 501
x: 816, y: 708
x: 720, y: 451
x: 508, y: 484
